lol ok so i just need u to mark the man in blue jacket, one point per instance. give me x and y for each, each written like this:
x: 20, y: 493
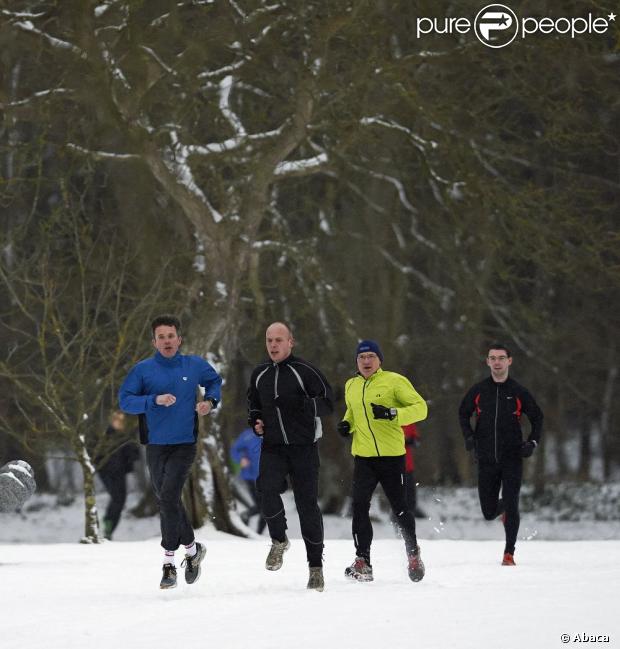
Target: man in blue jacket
x: 245, y: 451
x: 162, y: 390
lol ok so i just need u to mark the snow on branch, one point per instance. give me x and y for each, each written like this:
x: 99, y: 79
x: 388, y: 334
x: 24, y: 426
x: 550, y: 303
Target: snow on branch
x: 152, y: 54
x: 418, y: 141
x: 179, y: 166
x: 402, y: 195
x: 356, y: 190
x: 38, y: 95
x: 444, y: 293
x: 27, y: 26
x: 301, y: 167
x: 231, y: 143
x: 227, y: 69
x: 405, y: 202
x: 20, y: 14
x: 103, y: 155
x: 117, y: 73
x: 238, y: 9
x: 263, y: 10
x: 101, y: 9
x: 226, y: 85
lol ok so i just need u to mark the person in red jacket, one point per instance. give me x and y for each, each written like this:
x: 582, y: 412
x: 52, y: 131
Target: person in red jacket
x: 412, y: 441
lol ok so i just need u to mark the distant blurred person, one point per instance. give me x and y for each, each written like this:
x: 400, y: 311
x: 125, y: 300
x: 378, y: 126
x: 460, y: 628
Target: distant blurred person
x: 497, y: 443
x: 163, y: 390
x: 378, y: 404
x: 245, y: 452
x: 113, y: 472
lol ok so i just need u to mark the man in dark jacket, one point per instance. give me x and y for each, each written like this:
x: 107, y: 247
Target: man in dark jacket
x: 162, y: 390
x: 498, y: 403
x: 114, y: 468
x: 286, y: 398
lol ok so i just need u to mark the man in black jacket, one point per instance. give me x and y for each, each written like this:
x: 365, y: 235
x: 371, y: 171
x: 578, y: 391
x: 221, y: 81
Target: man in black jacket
x: 114, y: 468
x: 496, y: 440
x: 286, y: 398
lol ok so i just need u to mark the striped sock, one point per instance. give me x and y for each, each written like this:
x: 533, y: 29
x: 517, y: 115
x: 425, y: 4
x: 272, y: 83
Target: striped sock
x: 190, y: 550
x: 169, y: 557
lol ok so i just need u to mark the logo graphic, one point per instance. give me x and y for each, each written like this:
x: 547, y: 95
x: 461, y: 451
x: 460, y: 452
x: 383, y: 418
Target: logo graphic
x: 496, y: 25
x: 185, y: 378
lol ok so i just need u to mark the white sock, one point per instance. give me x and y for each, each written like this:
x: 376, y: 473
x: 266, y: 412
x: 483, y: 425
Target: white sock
x: 190, y: 550
x: 169, y: 557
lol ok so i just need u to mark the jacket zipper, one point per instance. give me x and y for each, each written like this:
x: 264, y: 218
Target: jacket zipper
x: 374, y: 439
x: 496, y: 409
x: 275, y: 392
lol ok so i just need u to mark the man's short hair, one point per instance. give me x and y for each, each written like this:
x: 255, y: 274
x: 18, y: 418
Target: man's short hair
x: 499, y: 346
x: 286, y: 325
x: 168, y: 321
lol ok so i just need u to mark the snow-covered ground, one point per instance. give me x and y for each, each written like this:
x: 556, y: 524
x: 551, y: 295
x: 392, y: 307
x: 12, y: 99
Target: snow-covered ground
x: 58, y: 594
x: 451, y: 513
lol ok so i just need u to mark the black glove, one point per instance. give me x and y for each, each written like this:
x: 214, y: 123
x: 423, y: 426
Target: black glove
x: 527, y: 448
x: 381, y: 412
x: 290, y: 402
x: 413, y: 441
x: 470, y: 443
x: 344, y: 428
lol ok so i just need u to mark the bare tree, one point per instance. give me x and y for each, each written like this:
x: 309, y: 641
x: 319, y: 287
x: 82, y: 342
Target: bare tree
x: 73, y: 323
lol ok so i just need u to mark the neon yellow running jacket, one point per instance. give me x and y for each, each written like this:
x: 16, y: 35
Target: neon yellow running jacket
x: 377, y: 437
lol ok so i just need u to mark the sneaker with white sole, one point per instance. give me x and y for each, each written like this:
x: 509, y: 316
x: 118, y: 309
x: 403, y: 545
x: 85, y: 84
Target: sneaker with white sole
x: 359, y: 570
x: 192, y: 564
x: 169, y: 577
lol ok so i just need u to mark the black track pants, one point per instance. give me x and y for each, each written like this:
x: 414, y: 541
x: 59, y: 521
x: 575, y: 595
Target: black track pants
x: 169, y: 466
x: 301, y: 464
x: 389, y: 472
x: 506, y: 475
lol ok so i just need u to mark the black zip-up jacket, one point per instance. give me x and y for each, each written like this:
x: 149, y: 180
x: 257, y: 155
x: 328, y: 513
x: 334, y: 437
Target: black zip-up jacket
x: 303, y: 396
x: 498, y: 408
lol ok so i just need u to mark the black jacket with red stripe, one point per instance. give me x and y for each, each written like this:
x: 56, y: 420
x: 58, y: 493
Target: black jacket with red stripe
x: 498, y: 408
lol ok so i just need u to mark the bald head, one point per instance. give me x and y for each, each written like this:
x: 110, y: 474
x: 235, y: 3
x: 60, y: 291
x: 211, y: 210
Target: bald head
x: 279, y: 341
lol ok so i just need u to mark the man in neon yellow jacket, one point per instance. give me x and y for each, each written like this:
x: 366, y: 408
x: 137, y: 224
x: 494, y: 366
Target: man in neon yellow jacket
x: 378, y: 404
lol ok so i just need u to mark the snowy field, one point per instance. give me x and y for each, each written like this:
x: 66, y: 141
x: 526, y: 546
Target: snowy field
x: 63, y: 596
x: 58, y: 594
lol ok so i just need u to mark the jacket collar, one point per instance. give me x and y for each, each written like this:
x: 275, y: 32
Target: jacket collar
x: 371, y: 376
x: 491, y: 381
x: 289, y: 359
x: 168, y: 362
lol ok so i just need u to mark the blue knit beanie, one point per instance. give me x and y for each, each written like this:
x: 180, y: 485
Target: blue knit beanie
x: 368, y: 346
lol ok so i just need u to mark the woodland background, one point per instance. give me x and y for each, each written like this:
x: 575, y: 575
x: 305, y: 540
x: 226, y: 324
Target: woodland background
x: 239, y: 162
